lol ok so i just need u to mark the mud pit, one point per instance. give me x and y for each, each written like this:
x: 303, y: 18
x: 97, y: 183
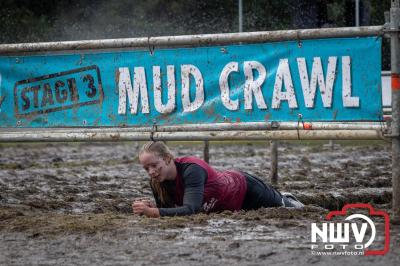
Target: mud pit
x: 70, y: 204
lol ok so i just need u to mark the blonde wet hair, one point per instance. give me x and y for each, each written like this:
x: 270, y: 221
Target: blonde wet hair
x: 157, y: 147
x: 161, y: 150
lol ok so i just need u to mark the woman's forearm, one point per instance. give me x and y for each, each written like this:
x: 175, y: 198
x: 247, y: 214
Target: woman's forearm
x: 178, y: 211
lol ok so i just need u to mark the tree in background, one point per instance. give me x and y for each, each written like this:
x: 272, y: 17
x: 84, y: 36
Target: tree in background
x: 63, y: 20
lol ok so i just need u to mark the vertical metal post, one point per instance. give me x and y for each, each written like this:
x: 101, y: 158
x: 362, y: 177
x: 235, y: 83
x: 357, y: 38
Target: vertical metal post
x: 331, y: 144
x: 274, y: 162
x: 206, y: 151
x: 395, y: 79
x: 240, y: 15
x: 357, y: 13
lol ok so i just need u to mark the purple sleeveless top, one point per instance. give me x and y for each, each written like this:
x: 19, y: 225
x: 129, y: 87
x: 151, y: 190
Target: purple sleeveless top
x: 222, y: 191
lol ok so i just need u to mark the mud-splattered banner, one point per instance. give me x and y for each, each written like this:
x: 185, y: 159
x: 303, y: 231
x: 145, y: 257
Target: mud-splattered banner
x: 323, y: 80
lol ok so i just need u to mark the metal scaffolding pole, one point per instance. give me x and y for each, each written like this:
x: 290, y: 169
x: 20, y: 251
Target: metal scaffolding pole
x: 240, y: 4
x: 395, y: 130
x: 211, y: 127
x: 274, y: 162
x: 357, y: 13
x: 206, y: 151
x: 194, y: 40
x: 32, y: 136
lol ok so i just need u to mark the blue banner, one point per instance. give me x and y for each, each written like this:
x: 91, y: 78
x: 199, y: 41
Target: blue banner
x: 323, y: 80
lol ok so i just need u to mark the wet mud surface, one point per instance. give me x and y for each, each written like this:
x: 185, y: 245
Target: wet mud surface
x: 69, y: 204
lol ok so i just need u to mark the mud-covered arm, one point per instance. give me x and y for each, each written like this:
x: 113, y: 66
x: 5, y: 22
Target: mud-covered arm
x: 194, y: 178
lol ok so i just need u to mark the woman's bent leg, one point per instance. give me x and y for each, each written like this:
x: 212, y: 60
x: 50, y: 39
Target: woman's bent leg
x: 260, y: 195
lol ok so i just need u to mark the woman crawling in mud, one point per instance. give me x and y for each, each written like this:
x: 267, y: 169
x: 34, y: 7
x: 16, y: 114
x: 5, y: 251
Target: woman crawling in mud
x: 188, y: 185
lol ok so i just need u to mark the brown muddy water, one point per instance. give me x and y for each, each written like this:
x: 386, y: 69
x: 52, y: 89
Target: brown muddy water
x: 69, y: 204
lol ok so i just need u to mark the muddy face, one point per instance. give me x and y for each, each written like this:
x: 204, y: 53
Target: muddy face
x: 159, y: 169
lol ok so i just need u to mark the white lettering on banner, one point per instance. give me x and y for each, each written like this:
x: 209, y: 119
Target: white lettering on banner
x: 255, y: 75
x: 224, y: 86
x: 317, y: 76
x: 139, y: 86
x: 170, y: 106
x: 124, y: 86
x: 348, y: 100
x: 252, y: 86
x: 186, y: 71
x: 283, y: 76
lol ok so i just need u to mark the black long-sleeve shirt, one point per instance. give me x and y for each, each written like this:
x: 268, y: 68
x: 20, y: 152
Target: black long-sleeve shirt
x: 194, y: 178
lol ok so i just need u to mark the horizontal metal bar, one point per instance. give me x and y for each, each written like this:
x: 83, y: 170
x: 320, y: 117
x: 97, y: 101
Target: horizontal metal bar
x: 195, y: 40
x: 192, y: 136
x: 217, y: 127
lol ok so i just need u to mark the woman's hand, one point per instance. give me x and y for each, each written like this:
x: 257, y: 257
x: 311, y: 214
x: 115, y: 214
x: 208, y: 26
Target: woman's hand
x: 142, y: 207
x: 146, y: 201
